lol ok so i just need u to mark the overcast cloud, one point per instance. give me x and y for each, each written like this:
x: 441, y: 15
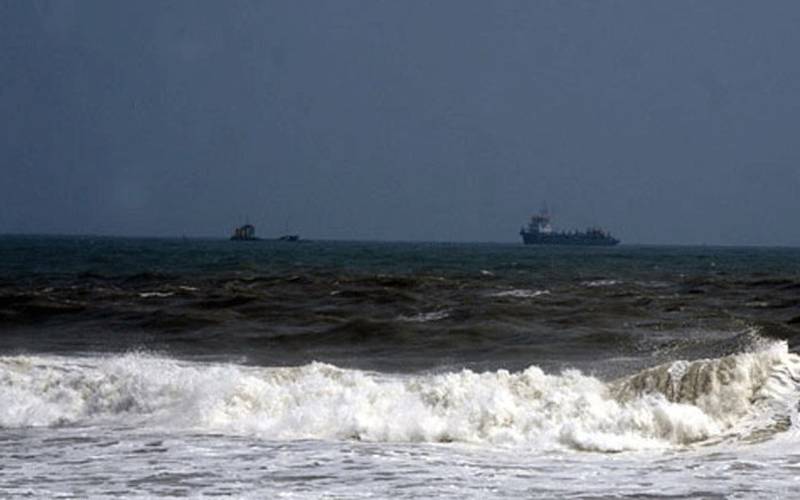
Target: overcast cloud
x: 665, y: 122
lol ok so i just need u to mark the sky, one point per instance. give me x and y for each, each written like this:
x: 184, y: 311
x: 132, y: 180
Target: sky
x: 448, y: 120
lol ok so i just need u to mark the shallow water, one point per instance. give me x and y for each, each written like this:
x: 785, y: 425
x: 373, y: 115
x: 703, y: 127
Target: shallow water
x: 79, y: 463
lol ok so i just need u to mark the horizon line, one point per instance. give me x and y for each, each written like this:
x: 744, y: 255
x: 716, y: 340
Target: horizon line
x: 361, y: 240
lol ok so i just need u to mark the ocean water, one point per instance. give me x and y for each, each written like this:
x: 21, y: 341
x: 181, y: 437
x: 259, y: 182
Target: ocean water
x: 163, y: 368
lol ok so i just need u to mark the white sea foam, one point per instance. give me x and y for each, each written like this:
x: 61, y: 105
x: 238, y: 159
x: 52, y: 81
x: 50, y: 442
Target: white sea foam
x: 674, y: 404
x: 601, y: 283
x: 425, y: 317
x: 744, y: 390
x: 520, y: 293
x: 149, y: 295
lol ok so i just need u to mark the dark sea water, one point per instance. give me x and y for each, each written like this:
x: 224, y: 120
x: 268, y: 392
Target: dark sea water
x: 147, y: 367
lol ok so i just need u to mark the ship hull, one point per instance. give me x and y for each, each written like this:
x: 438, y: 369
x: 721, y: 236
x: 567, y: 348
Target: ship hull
x: 567, y: 239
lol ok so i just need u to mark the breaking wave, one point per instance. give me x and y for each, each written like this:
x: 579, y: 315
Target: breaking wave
x: 679, y: 403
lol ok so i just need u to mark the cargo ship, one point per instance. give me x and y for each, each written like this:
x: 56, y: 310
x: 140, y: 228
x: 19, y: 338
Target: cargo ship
x: 540, y: 232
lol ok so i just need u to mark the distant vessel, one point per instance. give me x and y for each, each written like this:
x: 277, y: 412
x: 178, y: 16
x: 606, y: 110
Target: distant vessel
x: 540, y: 232
x: 244, y: 233
x: 287, y: 236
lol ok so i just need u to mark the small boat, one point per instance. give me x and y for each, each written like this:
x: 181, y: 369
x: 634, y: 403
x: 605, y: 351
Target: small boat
x: 287, y: 236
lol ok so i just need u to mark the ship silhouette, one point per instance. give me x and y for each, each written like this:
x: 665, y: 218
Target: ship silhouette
x: 244, y: 233
x: 540, y: 232
x: 247, y: 232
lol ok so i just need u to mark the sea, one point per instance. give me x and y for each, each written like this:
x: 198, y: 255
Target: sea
x: 144, y: 368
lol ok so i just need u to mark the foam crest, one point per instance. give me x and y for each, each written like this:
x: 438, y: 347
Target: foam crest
x: 733, y: 390
x: 674, y: 404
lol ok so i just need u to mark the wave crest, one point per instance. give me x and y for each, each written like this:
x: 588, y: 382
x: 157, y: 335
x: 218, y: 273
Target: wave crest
x: 674, y: 404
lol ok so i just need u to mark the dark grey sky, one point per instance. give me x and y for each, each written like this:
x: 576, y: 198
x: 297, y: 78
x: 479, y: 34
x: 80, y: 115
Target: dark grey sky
x: 666, y: 122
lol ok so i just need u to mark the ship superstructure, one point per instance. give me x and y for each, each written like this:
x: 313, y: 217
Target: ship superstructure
x: 244, y: 233
x: 540, y: 232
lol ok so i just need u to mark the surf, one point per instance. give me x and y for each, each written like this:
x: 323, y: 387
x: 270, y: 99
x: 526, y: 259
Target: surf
x: 676, y: 404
